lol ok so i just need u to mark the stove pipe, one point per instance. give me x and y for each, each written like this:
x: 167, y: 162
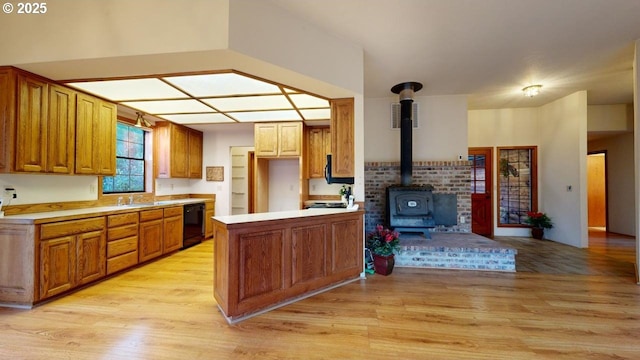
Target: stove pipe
x: 405, y: 91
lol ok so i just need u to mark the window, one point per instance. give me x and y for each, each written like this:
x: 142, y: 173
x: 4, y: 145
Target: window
x: 130, y: 166
x: 517, y: 184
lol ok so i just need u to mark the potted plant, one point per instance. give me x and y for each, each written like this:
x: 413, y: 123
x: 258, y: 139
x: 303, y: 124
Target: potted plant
x: 538, y: 221
x: 383, y: 243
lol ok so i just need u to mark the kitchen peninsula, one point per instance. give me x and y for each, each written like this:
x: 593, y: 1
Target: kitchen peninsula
x: 266, y: 260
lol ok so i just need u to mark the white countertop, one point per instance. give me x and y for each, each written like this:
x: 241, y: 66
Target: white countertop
x: 278, y: 215
x: 97, y: 211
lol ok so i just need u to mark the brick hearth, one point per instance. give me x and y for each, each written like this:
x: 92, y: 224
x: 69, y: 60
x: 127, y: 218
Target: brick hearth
x: 464, y: 251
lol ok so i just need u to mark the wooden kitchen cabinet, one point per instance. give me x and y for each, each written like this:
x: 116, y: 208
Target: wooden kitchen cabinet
x: 278, y: 139
x: 95, y: 136
x: 37, y: 119
x: 209, y: 212
x: 172, y: 224
x: 151, y: 234
x: 72, y: 253
x: 195, y: 154
x: 319, y: 145
x: 178, y: 151
x: 122, y: 241
x: 342, y: 138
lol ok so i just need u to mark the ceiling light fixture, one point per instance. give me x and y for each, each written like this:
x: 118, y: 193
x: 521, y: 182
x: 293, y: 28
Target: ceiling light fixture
x: 531, y: 90
x: 140, y: 120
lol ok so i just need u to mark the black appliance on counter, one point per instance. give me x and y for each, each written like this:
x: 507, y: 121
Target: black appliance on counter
x: 335, y: 180
x: 193, y: 230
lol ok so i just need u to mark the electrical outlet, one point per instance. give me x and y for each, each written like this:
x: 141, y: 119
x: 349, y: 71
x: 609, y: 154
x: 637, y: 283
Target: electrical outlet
x: 92, y: 189
x: 462, y: 220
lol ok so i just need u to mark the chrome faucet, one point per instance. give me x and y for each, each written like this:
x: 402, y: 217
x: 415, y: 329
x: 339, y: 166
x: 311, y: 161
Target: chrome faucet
x: 130, y: 199
x: 120, y: 201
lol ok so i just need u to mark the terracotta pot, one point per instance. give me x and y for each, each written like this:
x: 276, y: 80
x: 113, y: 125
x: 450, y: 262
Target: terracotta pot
x: 537, y: 233
x: 383, y: 264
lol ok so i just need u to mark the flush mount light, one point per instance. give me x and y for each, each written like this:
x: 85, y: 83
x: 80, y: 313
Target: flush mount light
x: 531, y: 90
x: 140, y: 120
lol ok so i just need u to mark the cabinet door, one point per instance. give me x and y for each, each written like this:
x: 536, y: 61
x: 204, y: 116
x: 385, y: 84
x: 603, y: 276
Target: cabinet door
x: 179, y: 152
x: 318, y: 140
x: 95, y: 136
x: 92, y: 256
x: 57, y: 266
x: 266, y: 140
x: 172, y: 234
x: 162, y: 150
x: 208, y: 223
x: 195, y: 154
x: 342, y: 138
x: 7, y: 117
x: 61, y: 130
x: 31, y: 129
x: 150, y: 240
x: 86, y: 116
x: 106, y: 138
x: 289, y: 139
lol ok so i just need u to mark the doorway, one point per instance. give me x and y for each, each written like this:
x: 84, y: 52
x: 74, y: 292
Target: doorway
x: 481, y: 194
x: 597, y: 190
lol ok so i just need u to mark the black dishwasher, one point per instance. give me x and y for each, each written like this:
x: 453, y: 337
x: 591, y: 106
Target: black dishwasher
x: 193, y: 230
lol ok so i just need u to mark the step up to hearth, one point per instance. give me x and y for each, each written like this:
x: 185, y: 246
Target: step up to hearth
x: 463, y: 251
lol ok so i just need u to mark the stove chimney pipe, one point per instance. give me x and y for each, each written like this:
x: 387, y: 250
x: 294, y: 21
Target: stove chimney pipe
x: 405, y: 91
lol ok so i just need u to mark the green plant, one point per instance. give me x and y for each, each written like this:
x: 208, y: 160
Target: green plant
x: 538, y: 220
x: 382, y: 241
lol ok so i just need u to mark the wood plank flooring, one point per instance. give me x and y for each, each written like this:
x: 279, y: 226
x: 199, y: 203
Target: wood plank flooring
x: 563, y: 303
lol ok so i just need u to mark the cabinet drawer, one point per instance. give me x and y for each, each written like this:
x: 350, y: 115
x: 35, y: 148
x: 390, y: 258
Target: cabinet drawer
x: 150, y: 215
x: 122, y: 219
x: 122, y: 231
x: 65, y: 228
x: 122, y: 262
x: 173, y: 211
x: 122, y: 246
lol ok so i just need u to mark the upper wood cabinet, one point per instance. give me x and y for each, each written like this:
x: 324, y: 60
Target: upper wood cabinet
x: 319, y: 145
x: 95, y: 136
x: 278, y: 139
x: 37, y: 119
x: 342, y: 138
x: 178, y: 151
x: 195, y: 154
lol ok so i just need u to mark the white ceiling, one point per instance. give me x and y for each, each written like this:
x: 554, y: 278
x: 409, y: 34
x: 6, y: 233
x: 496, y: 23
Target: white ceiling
x: 488, y: 49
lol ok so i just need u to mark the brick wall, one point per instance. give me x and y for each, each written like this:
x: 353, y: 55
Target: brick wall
x: 449, y: 177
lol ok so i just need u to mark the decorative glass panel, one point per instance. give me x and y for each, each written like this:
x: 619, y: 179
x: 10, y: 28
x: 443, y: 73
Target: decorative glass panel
x: 517, y: 185
x: 129, y: 162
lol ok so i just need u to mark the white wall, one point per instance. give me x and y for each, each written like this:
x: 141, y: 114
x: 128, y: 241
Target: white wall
x: 503, y: 127
x: 442, y: 132
x: 284, y: 184
x: 620, y: 182
x: 216, y: 149
x: 34, y: 189
x: 562, y: 162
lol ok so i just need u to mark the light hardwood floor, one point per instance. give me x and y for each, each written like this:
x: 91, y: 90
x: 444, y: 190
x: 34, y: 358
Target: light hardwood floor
x: 563, y: 303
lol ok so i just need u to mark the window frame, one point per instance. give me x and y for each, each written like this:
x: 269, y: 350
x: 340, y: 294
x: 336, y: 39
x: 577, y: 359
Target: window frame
x: 533, y: 183
x: 146, y: 165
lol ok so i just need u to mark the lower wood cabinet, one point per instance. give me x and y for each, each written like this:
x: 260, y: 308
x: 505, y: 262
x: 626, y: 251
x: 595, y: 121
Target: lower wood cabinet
x: 72, y: 253
x: 151, y: 234
x: 209, y: 212
x: 258, y: 265
x: 122, y: 241
x: 172, y: 224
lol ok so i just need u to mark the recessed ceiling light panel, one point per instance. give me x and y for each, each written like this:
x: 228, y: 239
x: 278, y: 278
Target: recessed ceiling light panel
x: 304, y: 101
x: 130, y: 89
x: 257, y: 116
x: 316, y: 114
x: 224, y: 84
x: 267, y: 102
x: 198, y: 118
x: 169, y: 106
